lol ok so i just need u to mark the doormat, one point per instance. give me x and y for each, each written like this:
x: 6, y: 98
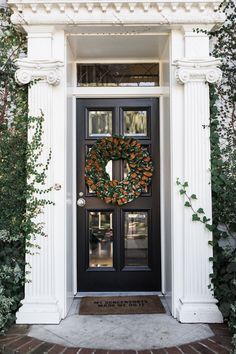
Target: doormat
x: 121, y: 305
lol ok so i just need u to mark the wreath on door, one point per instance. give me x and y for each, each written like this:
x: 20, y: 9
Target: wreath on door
x: 115, y: 148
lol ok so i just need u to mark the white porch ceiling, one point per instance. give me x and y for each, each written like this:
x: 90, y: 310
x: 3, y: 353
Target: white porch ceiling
x: 119, y: 47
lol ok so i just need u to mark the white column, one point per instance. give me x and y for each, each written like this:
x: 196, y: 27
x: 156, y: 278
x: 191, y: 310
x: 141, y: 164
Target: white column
x: 44, y: 300
x: 196, y: 302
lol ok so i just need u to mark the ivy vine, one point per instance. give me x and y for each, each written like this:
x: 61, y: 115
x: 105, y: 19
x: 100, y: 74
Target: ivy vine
x: 23, y: 192
x: 197, y: 214
x: 223, y: 167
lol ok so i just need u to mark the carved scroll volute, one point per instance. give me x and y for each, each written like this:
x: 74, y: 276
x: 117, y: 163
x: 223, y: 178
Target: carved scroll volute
x: 45, y: 70
x: 205, y: 70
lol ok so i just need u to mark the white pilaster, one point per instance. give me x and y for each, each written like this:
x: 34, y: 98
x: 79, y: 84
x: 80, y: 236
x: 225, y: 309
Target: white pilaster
x: 196, y: 302
x: 42, y: 302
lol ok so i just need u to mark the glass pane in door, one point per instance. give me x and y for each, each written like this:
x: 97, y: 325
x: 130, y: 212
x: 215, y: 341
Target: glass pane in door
x: 99, y: 123
x: 135, y: 123
x: 100, y: 239
x: 126, y: 168
x: 136, y: 238
x: 109, y: 167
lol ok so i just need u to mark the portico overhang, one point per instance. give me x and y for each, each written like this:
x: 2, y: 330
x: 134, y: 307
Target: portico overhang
x: 116, y: 13
x: 63, y: 33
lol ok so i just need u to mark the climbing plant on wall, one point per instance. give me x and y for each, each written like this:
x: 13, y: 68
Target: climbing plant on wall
x: 20, y: 202
x: 223, y: 167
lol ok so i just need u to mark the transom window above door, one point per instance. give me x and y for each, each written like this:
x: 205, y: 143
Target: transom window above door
x: 136, y: 74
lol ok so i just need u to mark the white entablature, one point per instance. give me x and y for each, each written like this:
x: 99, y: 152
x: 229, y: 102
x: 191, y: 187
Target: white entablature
x: 29, y: 12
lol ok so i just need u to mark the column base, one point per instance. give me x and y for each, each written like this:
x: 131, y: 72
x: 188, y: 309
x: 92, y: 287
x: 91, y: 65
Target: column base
x: 199, y: 312
x: 39, y: 311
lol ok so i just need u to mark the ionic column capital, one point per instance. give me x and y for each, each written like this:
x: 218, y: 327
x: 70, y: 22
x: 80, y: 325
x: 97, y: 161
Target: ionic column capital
x: 46, y: 70
x: 204, y: 70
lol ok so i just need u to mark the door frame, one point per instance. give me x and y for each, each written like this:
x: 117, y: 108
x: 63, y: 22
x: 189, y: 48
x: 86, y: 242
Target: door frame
x: 116, y: 92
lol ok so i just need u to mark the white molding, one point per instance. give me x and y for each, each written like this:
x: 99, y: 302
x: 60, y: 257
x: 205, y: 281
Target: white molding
x: 205, y: 70
x: 197, y: 312
x: 123, y: 34
x: 118, y: 61
x: 39, y: 310
x: 115, y: 12
x: 162, y: 196
x: 115, y: 92
x: 46, y: 70
x: 109, y: 92
x: 75, y: 253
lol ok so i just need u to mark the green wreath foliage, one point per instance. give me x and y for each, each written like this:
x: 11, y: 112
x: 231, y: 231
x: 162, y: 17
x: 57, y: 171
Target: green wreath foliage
x: 115, y: 148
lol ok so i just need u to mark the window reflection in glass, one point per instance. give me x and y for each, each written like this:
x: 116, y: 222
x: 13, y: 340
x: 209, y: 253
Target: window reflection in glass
x: 135, y: 74
x: 135, y: 123
x: 109, y: 168
x: 100, y: 123
x: 100, y: 239
x: 136, y: 238
x: 126, y: 169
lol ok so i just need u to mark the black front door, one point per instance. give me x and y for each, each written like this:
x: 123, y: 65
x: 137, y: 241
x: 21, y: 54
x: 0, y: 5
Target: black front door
x: 118, y: 247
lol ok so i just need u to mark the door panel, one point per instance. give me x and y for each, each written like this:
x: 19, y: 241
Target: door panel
x: 118, y: 247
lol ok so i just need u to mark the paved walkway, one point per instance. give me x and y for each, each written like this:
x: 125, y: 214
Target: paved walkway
x: 18, y: 342
x: 116, y: 332
x: 126, y: 334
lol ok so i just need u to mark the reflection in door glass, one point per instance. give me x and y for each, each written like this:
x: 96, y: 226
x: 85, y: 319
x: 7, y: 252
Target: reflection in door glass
x: 136, y: 238
x: 108, y: 169
x: 126, y: 169
x: 100, y: 239
x: 100, y: 123
x: 135, y: 123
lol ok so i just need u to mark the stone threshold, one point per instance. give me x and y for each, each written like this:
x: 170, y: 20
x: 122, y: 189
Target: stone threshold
x: 16, y: 341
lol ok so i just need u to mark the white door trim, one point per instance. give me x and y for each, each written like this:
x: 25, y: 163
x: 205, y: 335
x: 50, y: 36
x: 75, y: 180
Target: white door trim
x: 122, y: 92
x: 118, y: 92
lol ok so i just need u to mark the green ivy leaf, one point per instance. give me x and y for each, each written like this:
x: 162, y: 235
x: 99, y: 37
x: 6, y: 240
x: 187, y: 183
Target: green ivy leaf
x: 210, y: 227
x: 187, y: 204
x: 205, y: 219
x: 195, y: 217
x: 193, y: 196
x: 200, y: 211
x: 178, y: 182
